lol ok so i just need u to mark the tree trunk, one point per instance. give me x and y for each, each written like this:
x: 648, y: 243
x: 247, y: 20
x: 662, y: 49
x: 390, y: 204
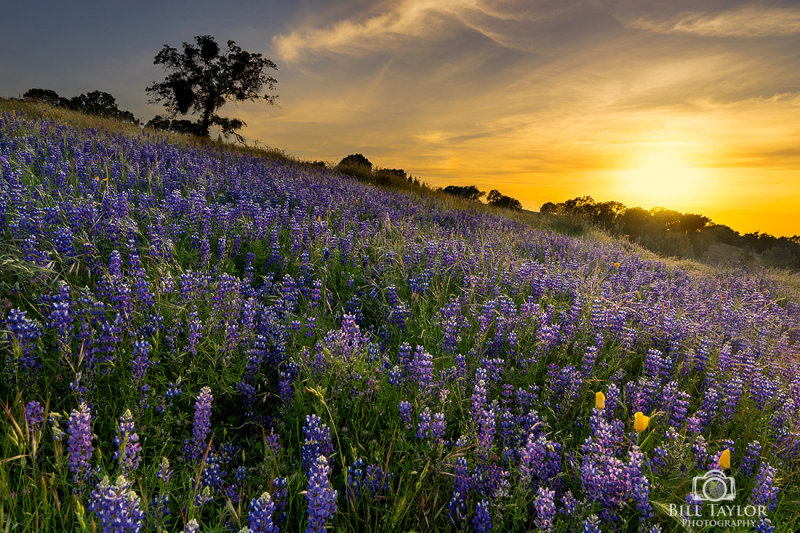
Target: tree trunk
x: 208, y: 109
x: 206, y: 120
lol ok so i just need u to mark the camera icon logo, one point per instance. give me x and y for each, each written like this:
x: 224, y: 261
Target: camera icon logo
x: 714, y: 486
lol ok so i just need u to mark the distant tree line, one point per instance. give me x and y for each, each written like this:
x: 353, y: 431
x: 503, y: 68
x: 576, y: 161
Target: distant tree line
x: 671, y: 232
x: 98, y: 103
x: 472, y: 193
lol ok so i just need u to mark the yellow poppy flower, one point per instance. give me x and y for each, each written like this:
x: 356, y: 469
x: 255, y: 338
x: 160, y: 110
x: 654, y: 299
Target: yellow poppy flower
x: 600, y: 400
x: 725, y: 459
x: 616, y: 265
x: 640, y: 421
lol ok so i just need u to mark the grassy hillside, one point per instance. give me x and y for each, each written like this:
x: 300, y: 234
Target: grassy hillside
x: 198, y: 337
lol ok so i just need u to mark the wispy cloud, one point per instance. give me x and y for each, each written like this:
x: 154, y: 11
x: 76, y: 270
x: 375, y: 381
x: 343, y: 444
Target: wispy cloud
x: 413, y: 20
x: 748, y: 21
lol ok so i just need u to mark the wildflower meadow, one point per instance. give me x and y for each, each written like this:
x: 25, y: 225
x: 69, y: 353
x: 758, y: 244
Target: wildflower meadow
x: 200, y: 339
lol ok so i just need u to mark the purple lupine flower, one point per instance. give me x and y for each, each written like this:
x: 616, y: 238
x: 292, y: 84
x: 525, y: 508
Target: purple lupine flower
x: 25, y: 332
x: 280, y: 497
x: 482, y: 521
x: 321, y: 497
x: 317, y: 441
x: 115, y: 265
x: 422, y: 367
x: 490, y: 480
x: 79, y: 428
x: 733, y: 394
x: 202, y: 425
x: 539, y: 459
x: 141, y: 362
x: 355, y: 476
x: 212, y: 473
x: 191, y: 527
x: 462, y: 483
x: 479, y: 394
x: 438, y: 427
x: 658, y: 462
x: 545, y: 505
x: 260, y: 517
x: 424, y: 425
x: 117, y: 507
x: 589, y: 359
x: 592, y: 525
x: 751, y: 458
x: 34, y: 416
x: 60, y: 317
x: 654, y: 364
x: 700, y: 451
x: 164, y: 472
x: 765, y: 526
x: 404, y: 358
x: 639, y: 485
x: 612, y: 400
x: 487, y: 424
x: 127, y: 443
x: 375, y: 480
x: 195, y: 331
x: 764, y: 490
x: 693, y: 504
x: 405, y: 413
x: 316, y: 293
x: 570, y: 504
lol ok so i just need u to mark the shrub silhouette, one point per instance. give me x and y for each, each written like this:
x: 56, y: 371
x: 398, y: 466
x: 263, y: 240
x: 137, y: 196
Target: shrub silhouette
x: 467, y: 192
x: 496, y: 199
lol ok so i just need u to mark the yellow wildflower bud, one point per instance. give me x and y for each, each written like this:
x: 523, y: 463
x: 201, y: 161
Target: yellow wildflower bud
x: 600, y: 400
x: 616, y: 265
x: 725, y: 459
x: 640, y: 421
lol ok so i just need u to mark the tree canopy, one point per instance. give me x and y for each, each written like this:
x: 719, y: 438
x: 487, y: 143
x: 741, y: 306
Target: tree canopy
x: 497, y: 199
x: 202, y: 78
x: 98, y: 103
x: 356, y: 159
x: 468, y: 192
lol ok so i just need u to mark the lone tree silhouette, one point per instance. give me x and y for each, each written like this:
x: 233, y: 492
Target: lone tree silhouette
x: 202, y: 78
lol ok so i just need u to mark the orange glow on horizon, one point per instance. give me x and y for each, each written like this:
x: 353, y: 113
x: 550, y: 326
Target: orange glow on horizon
x: 627, y: 107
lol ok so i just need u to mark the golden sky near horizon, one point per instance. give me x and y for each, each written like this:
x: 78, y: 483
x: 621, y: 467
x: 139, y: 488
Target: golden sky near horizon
x: 694, y: 107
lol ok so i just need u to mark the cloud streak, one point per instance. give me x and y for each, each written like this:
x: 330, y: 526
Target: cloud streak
x: 747, y: 21
x: 412, y: 20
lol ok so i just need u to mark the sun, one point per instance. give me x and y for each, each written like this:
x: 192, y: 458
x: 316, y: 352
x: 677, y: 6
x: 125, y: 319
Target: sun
x: 663, y: 176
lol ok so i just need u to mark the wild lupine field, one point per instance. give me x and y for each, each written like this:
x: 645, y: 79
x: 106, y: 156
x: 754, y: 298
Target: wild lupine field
x: 200, y: 339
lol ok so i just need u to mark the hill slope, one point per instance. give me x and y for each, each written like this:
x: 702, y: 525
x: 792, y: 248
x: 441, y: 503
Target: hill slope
x: 212, y: 324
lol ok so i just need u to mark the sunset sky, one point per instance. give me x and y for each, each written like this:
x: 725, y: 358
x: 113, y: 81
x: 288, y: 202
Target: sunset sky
x: 690, y: 105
